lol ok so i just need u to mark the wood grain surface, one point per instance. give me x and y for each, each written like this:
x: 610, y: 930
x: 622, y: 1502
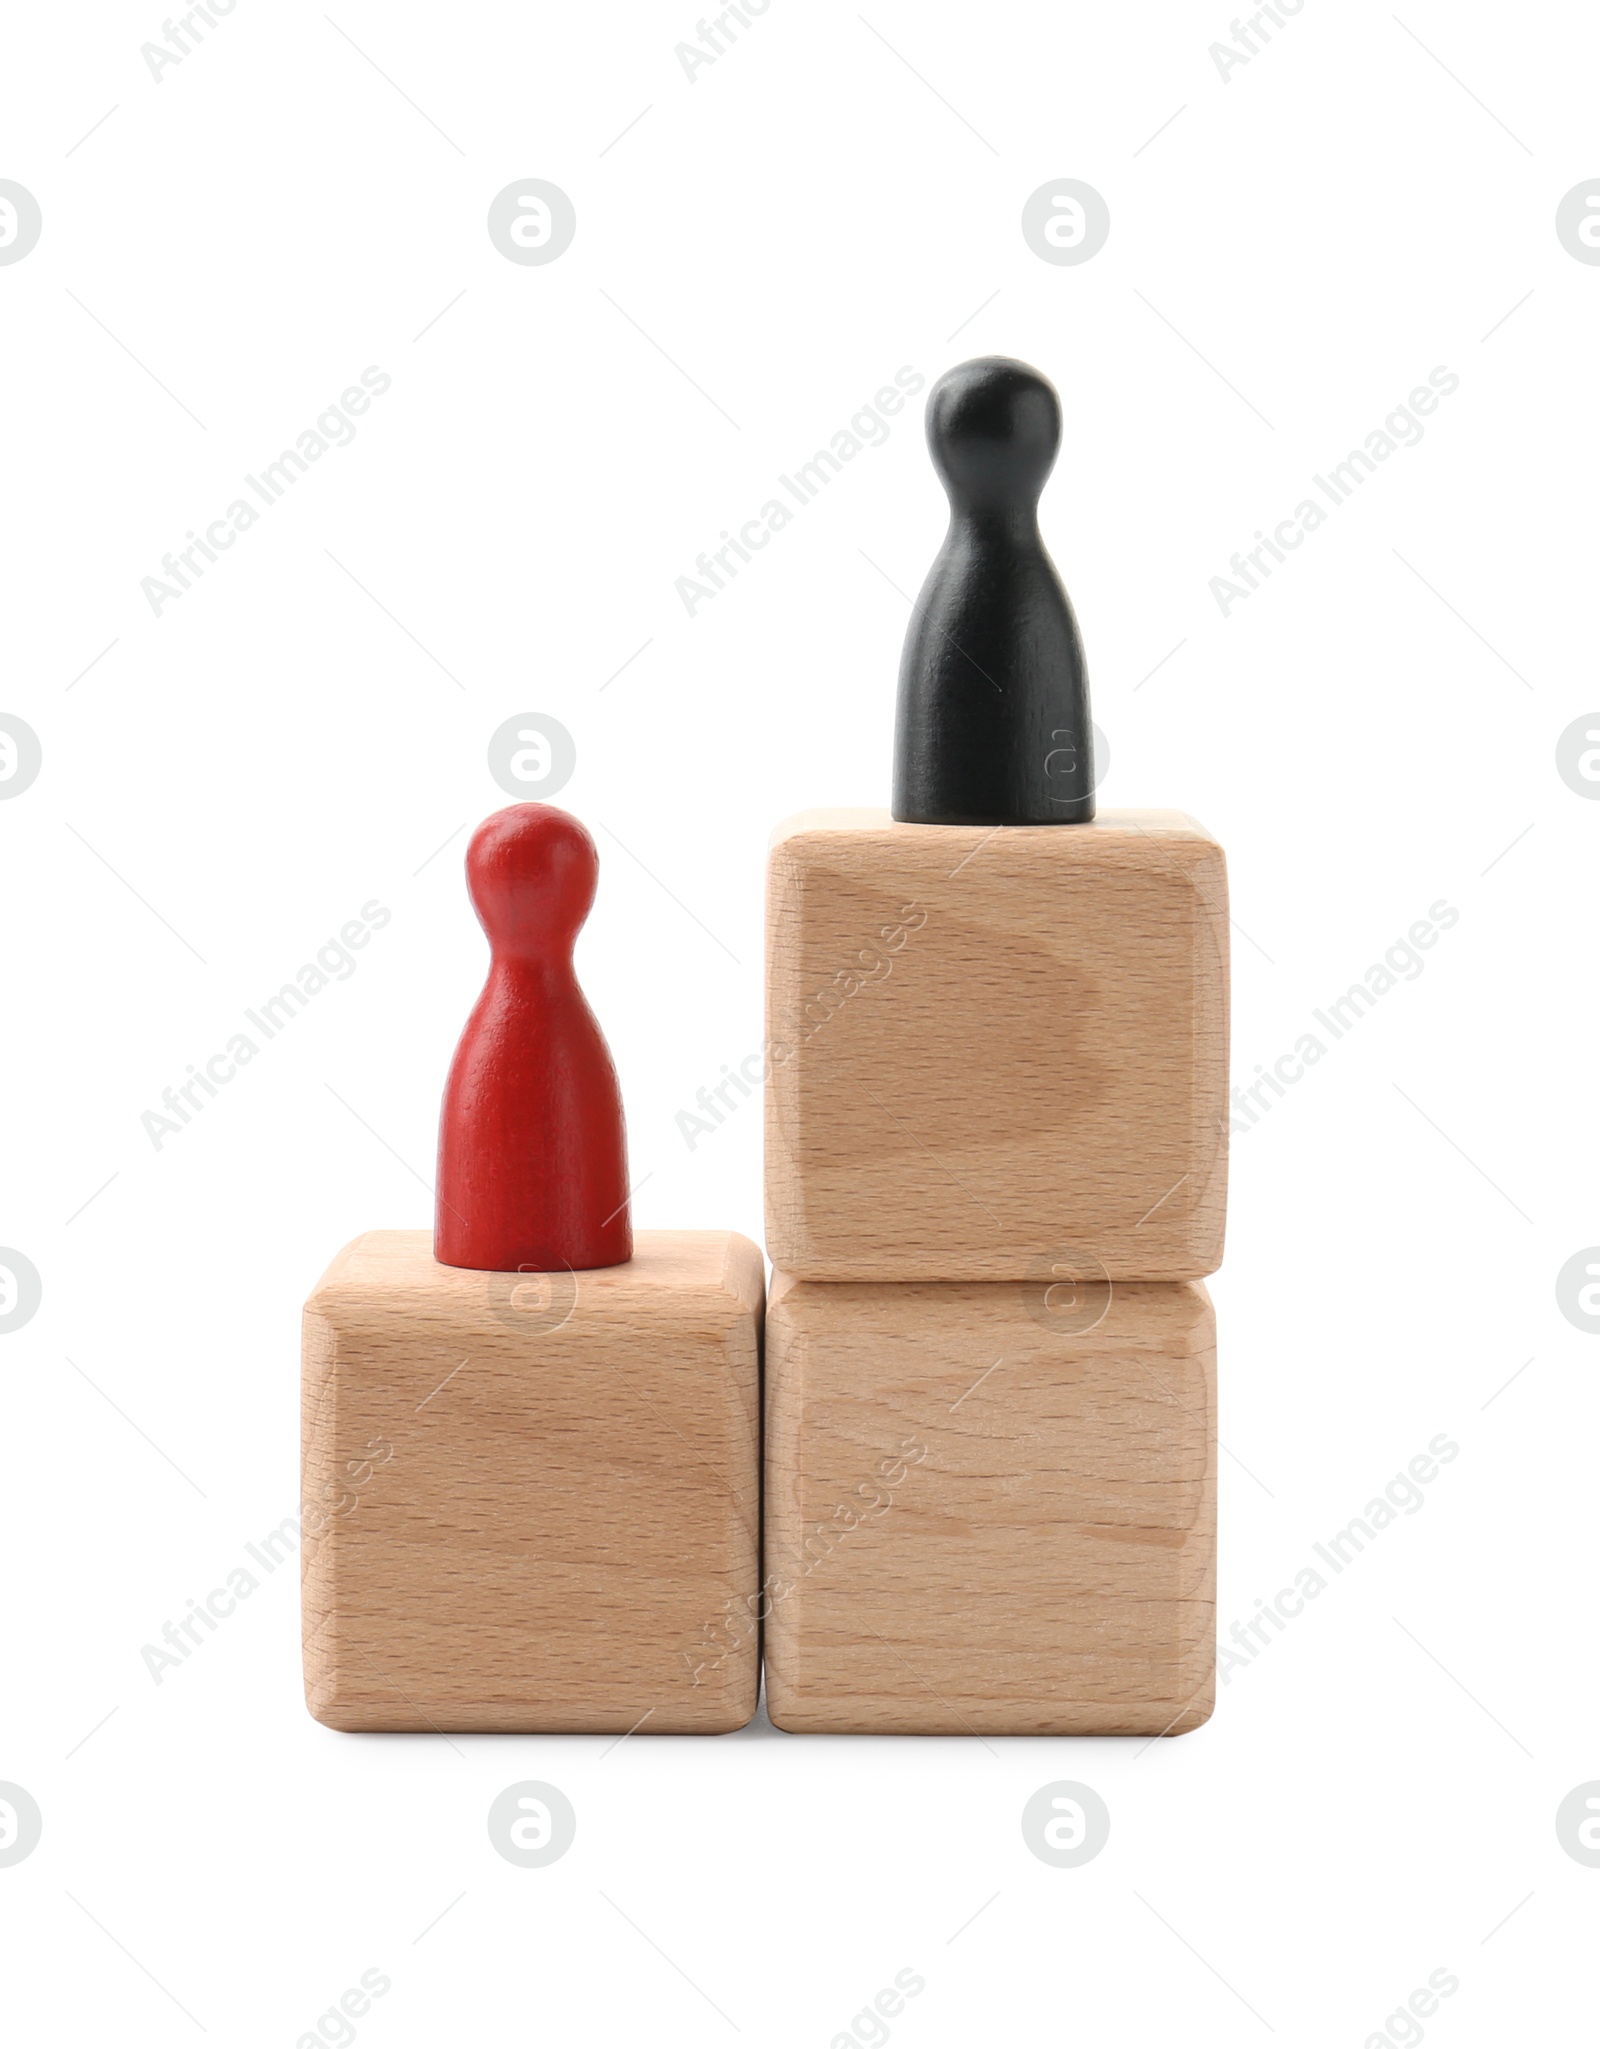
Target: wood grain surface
x: 988, y: 1046
x: 982, y: 1517
x: 530, y: 1501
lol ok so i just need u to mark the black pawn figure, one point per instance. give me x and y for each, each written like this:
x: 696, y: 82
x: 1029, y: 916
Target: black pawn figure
x: 992, y: 726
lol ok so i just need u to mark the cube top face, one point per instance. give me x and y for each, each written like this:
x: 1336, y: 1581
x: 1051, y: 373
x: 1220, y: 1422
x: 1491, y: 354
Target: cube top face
x: 978, y: 1521
x: 531, y: 1502
x: 992, y: 1049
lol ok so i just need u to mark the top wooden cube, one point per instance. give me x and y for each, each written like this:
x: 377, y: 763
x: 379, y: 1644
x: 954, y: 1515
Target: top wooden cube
x: 996, y: 1053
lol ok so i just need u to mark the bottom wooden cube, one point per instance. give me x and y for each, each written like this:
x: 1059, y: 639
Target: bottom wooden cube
x: 529, y: 1499
x: 982, y: 1516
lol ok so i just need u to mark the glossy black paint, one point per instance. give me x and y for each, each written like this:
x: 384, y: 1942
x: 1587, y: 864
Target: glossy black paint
x: 992, y: 725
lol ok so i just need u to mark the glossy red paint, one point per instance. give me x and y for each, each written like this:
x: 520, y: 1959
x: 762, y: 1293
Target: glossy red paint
x: 533, y: 1167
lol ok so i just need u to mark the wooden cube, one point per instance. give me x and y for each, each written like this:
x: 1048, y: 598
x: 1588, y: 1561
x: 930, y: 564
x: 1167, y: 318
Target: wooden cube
x: 987, y: 1045
x: 990, y: 1508
x: 527, y: 1498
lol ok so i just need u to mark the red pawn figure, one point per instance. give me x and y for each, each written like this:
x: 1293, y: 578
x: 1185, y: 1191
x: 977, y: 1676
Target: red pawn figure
x: 533, y: 1169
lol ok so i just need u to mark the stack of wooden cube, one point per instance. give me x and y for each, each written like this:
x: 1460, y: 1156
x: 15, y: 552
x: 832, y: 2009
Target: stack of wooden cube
x: 995, y: 1178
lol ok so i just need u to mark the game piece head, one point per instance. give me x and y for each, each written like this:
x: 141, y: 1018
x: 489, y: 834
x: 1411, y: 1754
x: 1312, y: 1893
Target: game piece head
x: 532, y: 871
x: 994, y: 428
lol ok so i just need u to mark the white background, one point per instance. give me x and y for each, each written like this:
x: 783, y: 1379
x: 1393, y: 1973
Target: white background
x: 231, y: 781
